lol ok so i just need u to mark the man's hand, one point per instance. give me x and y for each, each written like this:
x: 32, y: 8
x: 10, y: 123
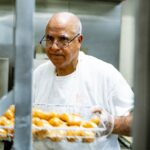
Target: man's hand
x: 118, y: 125
x: 122, y: 125
x: 106, y: 119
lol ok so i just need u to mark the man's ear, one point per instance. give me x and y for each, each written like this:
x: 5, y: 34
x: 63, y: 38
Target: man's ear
x: 80, y: 38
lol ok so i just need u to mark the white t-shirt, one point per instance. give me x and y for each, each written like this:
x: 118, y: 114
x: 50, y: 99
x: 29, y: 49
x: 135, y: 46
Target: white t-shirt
x: 93, y: 83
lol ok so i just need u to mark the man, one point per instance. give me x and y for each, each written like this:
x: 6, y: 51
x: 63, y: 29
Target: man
x: 73, y: 78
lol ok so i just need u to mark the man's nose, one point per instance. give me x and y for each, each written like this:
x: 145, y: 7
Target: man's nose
x: 55, y: 45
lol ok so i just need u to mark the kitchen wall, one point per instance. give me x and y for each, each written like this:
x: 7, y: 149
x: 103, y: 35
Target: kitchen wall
x: 101, y: 25
x: 127, y: 41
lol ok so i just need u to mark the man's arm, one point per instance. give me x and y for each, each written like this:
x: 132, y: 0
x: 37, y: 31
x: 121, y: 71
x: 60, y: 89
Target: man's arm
x: 122, y: 125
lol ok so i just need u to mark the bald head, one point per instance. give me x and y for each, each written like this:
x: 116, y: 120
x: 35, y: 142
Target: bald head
x: 65, y: 20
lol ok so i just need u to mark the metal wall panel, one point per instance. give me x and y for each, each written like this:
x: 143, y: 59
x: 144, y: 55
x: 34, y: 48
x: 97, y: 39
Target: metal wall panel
x: 141, y: 127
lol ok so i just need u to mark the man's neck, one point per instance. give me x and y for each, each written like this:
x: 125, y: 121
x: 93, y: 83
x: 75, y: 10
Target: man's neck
x: 66, y: 70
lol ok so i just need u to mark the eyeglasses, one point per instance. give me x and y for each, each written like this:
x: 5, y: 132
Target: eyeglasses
x: 61, y: 42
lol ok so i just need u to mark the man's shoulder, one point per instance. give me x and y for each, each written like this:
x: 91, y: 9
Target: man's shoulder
x: 97, y: 67
x: 94, y: 61
x: 44, y: 67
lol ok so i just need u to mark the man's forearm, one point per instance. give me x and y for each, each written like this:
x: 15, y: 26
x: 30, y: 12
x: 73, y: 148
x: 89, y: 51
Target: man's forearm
x: 122, y: 125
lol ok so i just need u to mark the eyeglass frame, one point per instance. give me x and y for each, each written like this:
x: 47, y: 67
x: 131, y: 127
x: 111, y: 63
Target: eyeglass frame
x: 68, y: 42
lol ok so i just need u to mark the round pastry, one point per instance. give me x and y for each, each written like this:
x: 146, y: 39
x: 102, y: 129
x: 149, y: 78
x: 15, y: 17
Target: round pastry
x: 56, y: 122
x: 54, y: 114
x: 10, y: 132
x: 42, y: 132
x: 88, y: 124
x: 56, y: 135
x: 12, y: 108
x: 33, y: 129
x: 37, y: 122
x: 72, y: 135
x: 88, y: 136
x: 65, y: 117
x: 45, y: 123
x: 4, y: 121
x: 9, y: 114
x: 11, y: 129
x: 3, y: 133
x: 41, y: 114
x: 96, y: 120
x: 74, y: 120
x: 13, y: 120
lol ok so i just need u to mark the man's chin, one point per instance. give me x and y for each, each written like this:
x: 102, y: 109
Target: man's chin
x: 58, y: 64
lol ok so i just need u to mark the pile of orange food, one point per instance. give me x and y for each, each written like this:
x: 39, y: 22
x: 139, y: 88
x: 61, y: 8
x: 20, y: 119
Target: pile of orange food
x: 51, y: 125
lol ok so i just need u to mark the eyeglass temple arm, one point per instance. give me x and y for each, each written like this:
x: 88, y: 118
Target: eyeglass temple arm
x: 74, y: 37
x: 42, y: 39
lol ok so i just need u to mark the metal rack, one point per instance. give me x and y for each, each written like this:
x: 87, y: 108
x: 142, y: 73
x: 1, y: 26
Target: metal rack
x: 21, y: 94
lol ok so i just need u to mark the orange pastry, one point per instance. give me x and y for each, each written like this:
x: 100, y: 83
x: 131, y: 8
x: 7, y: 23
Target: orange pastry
x: 65, y: 117
x: 42, y: 132
x: 56, y: 122
x: 54, y: 114
x: 12, y: 108
x: 88, y: 124
x: 56, y: 135
x: 74, y: 120
x: 37, y: 122
x: 3, y: 133
x: 5, y: 122
x: 72, y: 134
x: 41, y: 114
x: 9, y: 114
x: 95, y: 119
x: 10, y: 132
x: 88, y: 136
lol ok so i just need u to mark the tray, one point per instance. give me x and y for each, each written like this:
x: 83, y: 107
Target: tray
x: 59, y: 123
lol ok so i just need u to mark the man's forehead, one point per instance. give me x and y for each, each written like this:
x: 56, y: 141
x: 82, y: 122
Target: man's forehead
x: 59, y: 23
x: 62, y: 30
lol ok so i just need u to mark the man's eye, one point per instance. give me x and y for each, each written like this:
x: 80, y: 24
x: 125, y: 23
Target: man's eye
x: 63, y: 39
x: 49, y: 38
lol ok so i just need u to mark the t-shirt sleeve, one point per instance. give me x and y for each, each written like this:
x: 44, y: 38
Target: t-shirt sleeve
x: 120, y: 95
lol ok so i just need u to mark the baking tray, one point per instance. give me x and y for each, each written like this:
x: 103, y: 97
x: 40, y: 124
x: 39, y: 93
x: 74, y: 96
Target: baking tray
x: 68, y: 131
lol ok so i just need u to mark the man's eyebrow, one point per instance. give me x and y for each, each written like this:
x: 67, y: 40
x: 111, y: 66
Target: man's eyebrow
x: 48, y: 35
x: 64, y: 36
x: 60, y: 36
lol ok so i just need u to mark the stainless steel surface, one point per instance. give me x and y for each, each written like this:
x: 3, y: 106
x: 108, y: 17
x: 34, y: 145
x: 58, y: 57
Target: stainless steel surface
x: 141, y: 126
x: 6, y: 101
x: 4, y: 68
x: 23, y: 74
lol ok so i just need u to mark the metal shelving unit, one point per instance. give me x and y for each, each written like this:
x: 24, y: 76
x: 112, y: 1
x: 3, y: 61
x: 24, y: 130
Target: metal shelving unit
x: 21, y: 94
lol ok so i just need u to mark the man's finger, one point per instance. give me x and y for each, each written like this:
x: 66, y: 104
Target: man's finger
x: 96, y: 109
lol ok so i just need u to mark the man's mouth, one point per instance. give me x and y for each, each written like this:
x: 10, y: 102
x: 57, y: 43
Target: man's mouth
x: 56, y: 56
